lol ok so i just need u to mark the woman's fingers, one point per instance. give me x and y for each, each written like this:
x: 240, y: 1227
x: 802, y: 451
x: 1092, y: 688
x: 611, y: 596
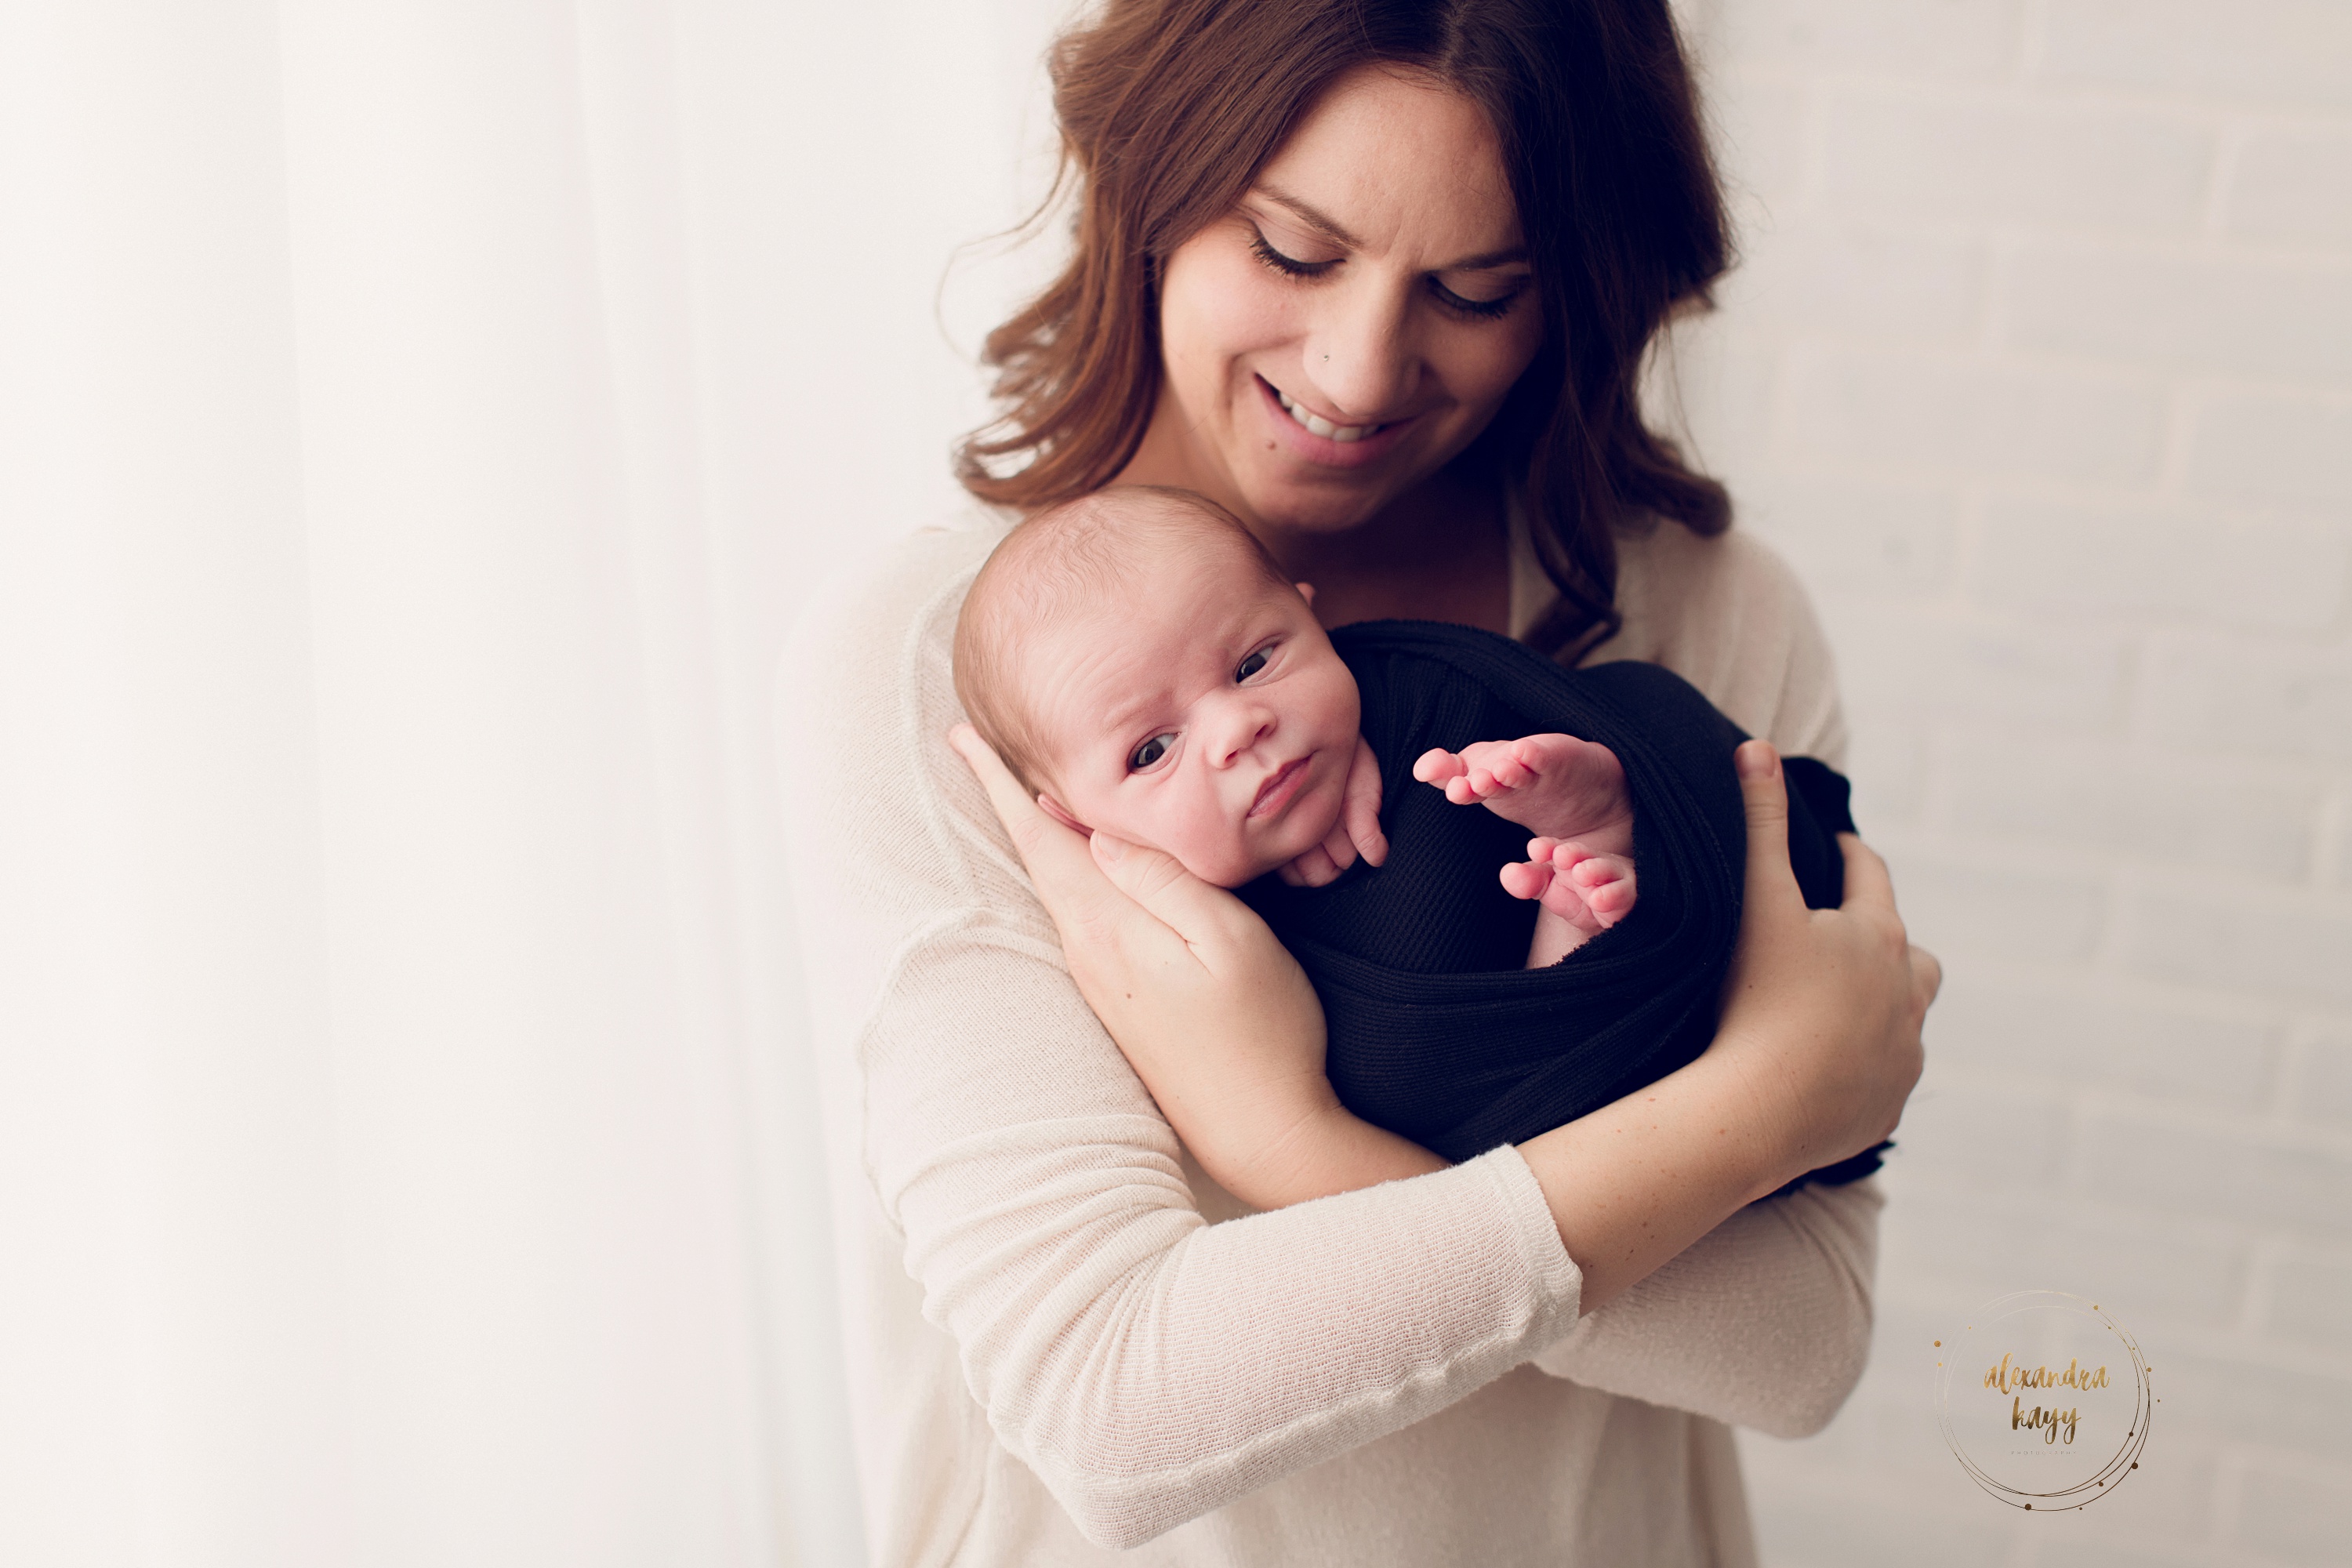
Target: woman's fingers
x: 1867, y: 879
x: 1766, y: 795
x: 1927, y: 977
x: 1068, y: 881
x: 1200, y: 913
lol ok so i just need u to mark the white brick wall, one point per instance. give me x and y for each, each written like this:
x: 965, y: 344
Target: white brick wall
x: 2040, y: 369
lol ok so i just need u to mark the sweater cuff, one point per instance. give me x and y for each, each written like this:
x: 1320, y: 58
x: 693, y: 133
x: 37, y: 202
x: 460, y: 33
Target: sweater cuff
x: 1553, y: 1278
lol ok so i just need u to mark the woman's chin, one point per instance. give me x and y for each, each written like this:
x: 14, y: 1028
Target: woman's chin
x: 1315, y: 504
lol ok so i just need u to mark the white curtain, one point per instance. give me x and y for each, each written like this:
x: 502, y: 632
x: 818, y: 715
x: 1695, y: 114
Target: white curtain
x: 419, y: 421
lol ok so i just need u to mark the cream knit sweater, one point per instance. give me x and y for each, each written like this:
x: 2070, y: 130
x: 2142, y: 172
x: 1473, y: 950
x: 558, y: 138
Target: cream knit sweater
x: 1064, y: 1339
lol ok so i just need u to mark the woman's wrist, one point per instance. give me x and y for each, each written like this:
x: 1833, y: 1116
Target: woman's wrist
x: 1635, y: 1183
x: 1316, y: 1148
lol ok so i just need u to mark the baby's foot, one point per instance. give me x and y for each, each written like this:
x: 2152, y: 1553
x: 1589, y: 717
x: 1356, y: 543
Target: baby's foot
x: 1553, y: 785
x: 1590, y: 891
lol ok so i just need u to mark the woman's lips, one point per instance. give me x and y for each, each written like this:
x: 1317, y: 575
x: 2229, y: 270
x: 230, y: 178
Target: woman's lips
x: 1279, y: 786
x: 1374, y: 442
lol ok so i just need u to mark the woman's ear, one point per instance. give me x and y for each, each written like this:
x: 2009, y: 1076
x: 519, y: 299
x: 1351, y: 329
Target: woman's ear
x: 1053, y: 808
x: 1306, y: 591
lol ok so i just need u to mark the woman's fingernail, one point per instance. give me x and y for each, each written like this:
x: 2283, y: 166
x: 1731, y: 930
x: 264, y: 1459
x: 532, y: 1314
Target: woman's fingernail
x: 1756, y: 761
x: 1107, y: 847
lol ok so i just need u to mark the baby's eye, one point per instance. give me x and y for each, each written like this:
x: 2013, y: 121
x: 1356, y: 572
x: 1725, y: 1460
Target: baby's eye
x: 1150, y: 752
x: 1250, y: 665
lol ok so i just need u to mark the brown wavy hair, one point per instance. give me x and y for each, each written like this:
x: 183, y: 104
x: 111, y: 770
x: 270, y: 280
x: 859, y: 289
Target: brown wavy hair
x: 1169, y: 107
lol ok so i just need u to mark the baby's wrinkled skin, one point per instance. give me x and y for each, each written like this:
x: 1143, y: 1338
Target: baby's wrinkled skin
x: 1197, y: 707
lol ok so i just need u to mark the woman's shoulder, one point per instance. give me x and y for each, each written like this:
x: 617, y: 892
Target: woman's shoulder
x: 1673, y: 586
x: 899, y: 583
x: 1726, y: 613
x: 888, y: 830
x: 875, y: 633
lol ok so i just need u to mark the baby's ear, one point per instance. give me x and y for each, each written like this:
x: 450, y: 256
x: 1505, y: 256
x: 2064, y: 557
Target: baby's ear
x: 1306, y: 591
x: 1053, y: 808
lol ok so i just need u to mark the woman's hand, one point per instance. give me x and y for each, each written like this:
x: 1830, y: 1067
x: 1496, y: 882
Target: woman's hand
x: 1818, y: 1050
x: 1214, y: 1014
x: 1822, y: 1008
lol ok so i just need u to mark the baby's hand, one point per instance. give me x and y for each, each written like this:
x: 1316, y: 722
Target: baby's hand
x: 1552, y: 785
x: 1589, y: 891
x: 1357, y: 831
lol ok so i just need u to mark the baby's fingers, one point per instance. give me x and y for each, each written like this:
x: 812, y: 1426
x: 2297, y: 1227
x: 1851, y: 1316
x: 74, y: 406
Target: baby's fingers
x: 1359, y: 812
x: 1315, y: 869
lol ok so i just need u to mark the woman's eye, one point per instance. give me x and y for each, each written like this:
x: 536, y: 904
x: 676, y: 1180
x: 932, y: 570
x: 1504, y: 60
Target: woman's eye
x: 1485, y: 310
x: 1250, y: 666
x: 1289, y: 265
x: 1150, y: 752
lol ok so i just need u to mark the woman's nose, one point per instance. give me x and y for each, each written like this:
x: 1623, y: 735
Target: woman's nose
x: 1359, y: 358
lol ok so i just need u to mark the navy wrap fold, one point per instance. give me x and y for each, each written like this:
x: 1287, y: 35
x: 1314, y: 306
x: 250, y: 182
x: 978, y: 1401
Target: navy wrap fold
x: 1437, y: 1031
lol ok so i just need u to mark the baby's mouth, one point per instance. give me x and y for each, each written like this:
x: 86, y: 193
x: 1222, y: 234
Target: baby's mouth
x: 1277, y: 789
x: 1317, y: 424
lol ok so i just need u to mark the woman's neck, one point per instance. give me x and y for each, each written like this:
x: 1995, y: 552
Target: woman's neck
x: 1439, y: 553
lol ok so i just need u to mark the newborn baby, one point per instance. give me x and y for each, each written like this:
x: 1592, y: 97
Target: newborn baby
x: 1141, y: 664
x: 1145, y: 668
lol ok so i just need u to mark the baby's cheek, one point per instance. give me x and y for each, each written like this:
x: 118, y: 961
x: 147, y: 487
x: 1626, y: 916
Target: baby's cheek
x: 1217, y: 854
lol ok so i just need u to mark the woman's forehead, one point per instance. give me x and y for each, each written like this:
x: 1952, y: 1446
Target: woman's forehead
x: 1391, y: 157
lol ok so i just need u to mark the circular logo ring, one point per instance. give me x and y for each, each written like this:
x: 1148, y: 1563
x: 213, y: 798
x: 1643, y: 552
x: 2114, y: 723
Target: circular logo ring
x: 2041, y: 1422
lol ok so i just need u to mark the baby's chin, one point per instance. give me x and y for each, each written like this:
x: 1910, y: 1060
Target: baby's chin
x: 1238, y: 862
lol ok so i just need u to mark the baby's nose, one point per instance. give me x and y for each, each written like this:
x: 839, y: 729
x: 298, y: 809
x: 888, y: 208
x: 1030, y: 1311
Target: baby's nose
x: 1244, y: 725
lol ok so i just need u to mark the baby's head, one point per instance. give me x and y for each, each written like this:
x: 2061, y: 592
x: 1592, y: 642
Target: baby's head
x: 1141, y: 662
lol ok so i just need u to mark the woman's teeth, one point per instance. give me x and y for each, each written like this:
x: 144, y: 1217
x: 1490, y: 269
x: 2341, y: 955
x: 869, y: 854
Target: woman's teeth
x: 1322, y: 426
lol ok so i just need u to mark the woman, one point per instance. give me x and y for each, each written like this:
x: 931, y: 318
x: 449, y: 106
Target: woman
x: 1377, y: 277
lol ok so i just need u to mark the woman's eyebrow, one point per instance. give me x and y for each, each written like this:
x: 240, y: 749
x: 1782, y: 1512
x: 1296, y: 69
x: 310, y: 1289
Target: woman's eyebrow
x: 1486, y: 260
x: 1330, y: 229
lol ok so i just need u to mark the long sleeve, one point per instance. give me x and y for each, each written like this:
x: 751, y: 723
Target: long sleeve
x: 1146, y: 1365
x: 1763, y: 1323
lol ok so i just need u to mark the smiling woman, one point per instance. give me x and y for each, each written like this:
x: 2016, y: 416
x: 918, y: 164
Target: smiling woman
x: 1341, y: 266
x: 1375, y: 276
x: 1337, y: 339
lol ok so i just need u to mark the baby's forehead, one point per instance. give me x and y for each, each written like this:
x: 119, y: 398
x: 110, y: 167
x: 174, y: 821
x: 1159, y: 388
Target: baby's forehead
x: 1118, y: 646
x: 1102, y: 584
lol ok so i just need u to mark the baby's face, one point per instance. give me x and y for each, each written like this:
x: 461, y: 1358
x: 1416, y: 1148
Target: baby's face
x: 1202, y: 711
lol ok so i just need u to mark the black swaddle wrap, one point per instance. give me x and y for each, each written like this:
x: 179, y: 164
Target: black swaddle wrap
x: 1437, y: 1031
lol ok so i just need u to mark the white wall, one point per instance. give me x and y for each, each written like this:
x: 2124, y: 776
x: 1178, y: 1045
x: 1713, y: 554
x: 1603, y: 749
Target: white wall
x: 2041, y: 368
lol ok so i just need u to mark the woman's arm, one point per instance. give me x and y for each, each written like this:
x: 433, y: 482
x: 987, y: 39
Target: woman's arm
x: 1818, y: 1050
x: 1762, y: 1321
x: 1765, y: 1321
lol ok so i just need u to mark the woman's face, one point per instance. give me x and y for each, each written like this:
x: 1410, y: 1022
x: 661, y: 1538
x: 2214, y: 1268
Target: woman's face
x: 1357, y: 319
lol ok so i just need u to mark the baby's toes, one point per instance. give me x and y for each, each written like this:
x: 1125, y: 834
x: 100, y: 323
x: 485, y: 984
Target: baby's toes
x: 1508, y: 772
x: 1437, y: 765
x: 1611, y: 889
x: 1527, y: 879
